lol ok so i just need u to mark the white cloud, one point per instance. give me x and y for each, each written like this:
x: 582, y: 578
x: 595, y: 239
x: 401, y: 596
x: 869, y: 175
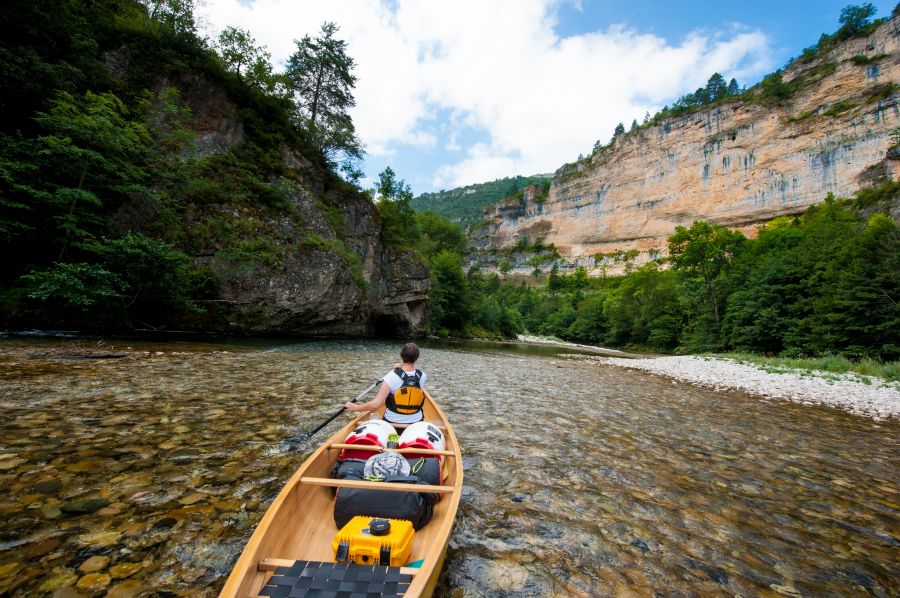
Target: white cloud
x: 499, y: 67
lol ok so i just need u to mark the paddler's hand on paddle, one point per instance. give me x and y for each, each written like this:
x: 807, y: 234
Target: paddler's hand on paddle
x: 372, y: 405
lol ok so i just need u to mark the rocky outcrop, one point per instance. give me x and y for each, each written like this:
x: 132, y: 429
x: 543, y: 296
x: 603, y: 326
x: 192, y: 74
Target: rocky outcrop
x: 737, y: 164
x: 313, y: 265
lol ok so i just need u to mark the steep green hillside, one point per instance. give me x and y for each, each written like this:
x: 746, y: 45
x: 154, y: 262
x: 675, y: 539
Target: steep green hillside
x: 464, y: 205
x: 146, y: 182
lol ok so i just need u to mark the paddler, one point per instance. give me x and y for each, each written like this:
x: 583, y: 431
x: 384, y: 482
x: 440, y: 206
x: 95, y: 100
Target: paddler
x: 402, y: 391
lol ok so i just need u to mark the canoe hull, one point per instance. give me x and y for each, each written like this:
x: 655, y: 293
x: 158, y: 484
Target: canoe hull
x: 299, y: 523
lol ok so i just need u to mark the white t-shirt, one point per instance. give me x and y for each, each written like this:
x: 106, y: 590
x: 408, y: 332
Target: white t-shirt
x: 394, y: 382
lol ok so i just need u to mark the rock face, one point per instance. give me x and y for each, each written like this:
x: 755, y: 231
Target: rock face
x: 314, y: 266
x: 738, y: 164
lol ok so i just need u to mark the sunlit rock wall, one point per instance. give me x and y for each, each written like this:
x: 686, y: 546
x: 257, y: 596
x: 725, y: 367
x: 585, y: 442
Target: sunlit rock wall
x: 738, y: 164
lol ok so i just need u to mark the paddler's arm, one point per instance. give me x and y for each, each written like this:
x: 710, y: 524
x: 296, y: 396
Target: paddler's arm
x: 372, y: 405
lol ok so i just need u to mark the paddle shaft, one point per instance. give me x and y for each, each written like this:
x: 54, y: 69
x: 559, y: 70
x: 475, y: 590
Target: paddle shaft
x: 342, y: 409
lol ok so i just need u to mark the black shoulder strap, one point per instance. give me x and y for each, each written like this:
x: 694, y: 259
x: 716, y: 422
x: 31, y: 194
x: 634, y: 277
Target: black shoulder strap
x: 410, y: 379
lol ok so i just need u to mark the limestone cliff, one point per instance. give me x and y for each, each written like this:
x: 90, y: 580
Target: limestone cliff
x: 737, y: 164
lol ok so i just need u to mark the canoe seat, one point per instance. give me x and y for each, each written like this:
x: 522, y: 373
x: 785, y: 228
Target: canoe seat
x: 365, y: 484
x: 335, y: 580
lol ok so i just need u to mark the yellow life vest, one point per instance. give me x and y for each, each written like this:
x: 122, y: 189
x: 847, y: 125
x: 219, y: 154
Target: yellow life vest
x: 410, y: 397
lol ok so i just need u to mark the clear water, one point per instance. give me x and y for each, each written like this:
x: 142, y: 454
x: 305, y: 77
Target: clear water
x: 146, y: 474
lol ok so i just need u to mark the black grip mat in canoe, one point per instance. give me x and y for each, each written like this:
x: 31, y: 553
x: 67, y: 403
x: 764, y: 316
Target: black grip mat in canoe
x: 335, y: 580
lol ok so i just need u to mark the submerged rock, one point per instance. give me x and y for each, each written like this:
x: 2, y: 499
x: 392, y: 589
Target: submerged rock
x: 83, y: 506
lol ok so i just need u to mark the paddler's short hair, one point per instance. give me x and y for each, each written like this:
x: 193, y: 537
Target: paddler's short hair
x: 409, y: 353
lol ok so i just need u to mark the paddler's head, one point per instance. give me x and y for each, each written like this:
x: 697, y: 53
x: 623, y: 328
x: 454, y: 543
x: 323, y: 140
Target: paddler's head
x: 409, y: 353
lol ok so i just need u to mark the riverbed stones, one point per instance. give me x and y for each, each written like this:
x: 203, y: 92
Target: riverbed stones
x: 192, y: 498
x: 83, y: 506
x: 100, y: 538
x: 647, y: 473
x: 51, y: 512
x: 126, y: 589
x: 93, y: 582
x: 93, y: 564
x: 59, y: 578
x: 47, y: 486
x: 123, y: 570
x: 67, y: 592
x: 41, y: 547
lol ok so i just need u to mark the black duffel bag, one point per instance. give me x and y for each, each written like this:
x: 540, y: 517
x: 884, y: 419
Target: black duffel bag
x: 427, y: 469
x: 415, y: 507
x: 349, y: 469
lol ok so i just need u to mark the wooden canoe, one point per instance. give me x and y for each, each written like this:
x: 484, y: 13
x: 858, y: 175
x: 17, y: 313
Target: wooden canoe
x: 299, y: 524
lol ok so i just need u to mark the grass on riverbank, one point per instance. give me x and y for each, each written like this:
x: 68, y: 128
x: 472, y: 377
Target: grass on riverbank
x: 834, y: 364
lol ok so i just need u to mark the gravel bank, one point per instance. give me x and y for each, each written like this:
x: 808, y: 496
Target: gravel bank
x: 879, y: 399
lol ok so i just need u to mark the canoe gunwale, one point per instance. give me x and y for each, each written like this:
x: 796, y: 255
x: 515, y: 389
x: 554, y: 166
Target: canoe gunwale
x: 247, y: 567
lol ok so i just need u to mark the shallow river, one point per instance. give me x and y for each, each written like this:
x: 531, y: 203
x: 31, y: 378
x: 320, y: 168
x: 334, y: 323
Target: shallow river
x: 145, y: 475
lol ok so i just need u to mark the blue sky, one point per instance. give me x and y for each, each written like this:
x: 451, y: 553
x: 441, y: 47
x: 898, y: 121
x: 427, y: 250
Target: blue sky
x: 453, y: 93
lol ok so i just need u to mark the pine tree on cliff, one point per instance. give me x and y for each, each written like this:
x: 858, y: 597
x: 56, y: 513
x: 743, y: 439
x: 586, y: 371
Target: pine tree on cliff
x: 320, y: 77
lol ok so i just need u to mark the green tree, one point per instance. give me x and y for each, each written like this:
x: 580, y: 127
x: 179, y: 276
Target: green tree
x: 619, y: 130
x: 92, y: 154
x: 64, y: 287
x: 704, y: 253
x: 554, y: 280
x: 578, y: 279
x: 853, y: 18
x: 153, y: 274
x: 644, y: 309
x: 389, y: 187
x: 589, y: 325
x: 320, y: 76
x: 716, y: 88
x: 248, y: 61
x: 770, y: 290
x: 399, y: 227
x: 449, y: 301
x: 174, y: 15
x: 439, y: 235
x: 855, y: 307
x: 733, y: 87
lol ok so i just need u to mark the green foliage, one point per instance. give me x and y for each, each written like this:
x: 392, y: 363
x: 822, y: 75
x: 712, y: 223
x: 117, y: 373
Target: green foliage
x: 319, y: 74
x: 839, y: 108
x: 389, y: 187
x: 249, y: 62
x: 399, y: 229
x: 714, y: 93
x: 879, y: 197
x: 837, y: 364
x: 100, y: 186
x: 644, y: 309
x: 133, y: 278
x: 863, y: 60
x: 465, y: 205
x: 252, y: 253
x: 176, y: 16
x: 449, y: 301
x: 703, y: 255
x: 439, y: 235
x: 64, y: 286
x: 399, y: 226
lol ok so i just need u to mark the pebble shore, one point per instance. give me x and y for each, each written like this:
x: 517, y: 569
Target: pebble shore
x: 877, y: 398
x: 866, y: 396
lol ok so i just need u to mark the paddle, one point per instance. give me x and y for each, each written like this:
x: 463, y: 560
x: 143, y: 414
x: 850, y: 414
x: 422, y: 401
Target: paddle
x: 308, y: 435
